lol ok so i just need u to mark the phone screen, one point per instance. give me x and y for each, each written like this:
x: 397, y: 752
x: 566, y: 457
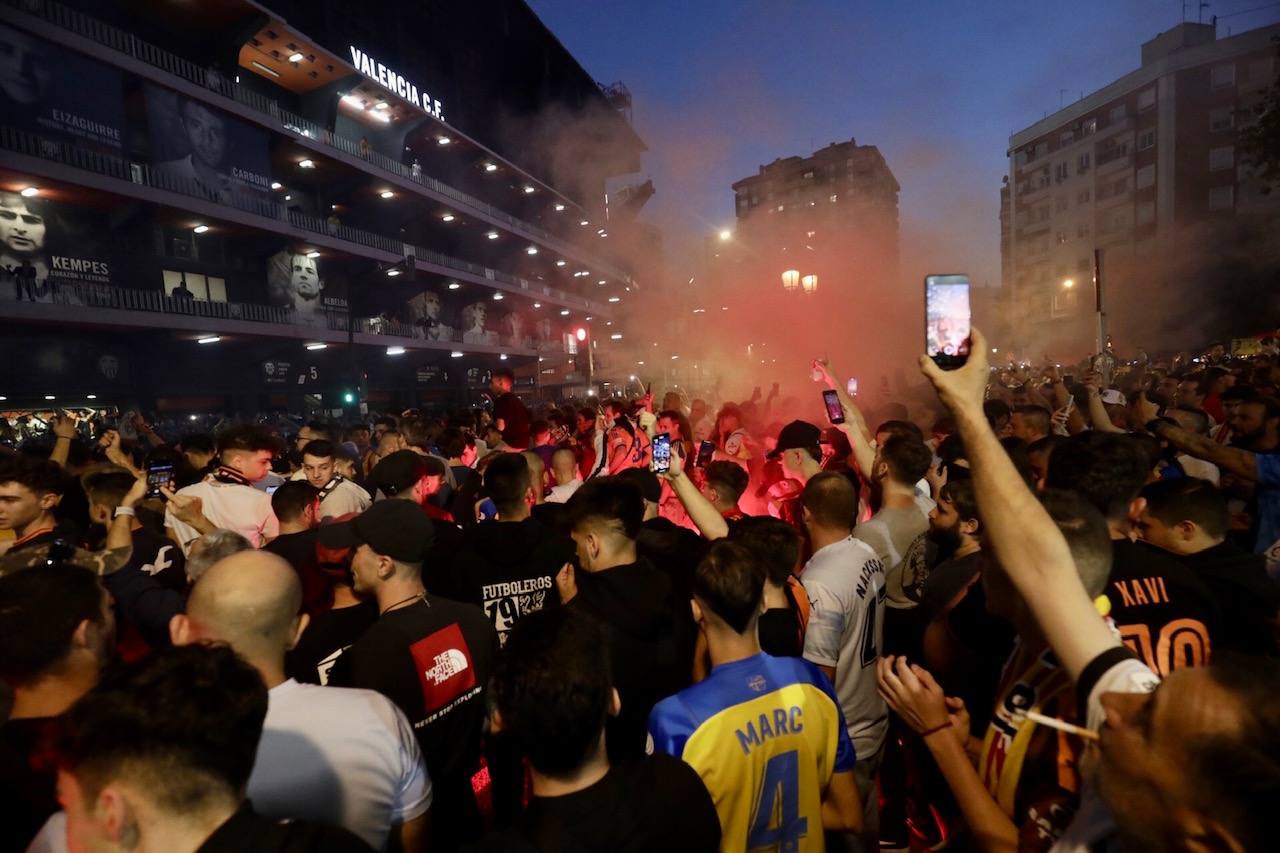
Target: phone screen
x: 158, y: 476
x: 661, y: 453
x: 706, y: 452
x: 835, y: 412
x: 946, y: 308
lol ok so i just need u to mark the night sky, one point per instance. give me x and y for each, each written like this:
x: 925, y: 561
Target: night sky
x: 723, y: 86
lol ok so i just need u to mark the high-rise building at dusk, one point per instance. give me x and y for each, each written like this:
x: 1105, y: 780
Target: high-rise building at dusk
x: 1149, y: 171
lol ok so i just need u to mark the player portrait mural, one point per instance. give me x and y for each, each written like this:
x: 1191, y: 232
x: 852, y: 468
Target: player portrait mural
x: 425, y: 312
x: 203, y: 149
x: 47, y: 248
x: 57, y: 93
x: 474, y: 317
x: 293, y: 281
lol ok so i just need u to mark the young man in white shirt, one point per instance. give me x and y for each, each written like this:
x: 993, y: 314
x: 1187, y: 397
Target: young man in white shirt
x: 227, y: 497
x: 327, y: 754
x: 338, y: 495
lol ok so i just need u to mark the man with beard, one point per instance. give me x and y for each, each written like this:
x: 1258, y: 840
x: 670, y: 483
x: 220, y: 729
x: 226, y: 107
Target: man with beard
x: 59, y: 632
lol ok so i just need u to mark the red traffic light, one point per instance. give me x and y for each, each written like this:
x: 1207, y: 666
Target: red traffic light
x: 581, y: 334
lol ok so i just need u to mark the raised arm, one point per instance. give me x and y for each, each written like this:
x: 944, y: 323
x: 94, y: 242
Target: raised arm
x: 701, y: 511
x: 855, y: 425
x: 1239, y: 462
x: 1027, y: 544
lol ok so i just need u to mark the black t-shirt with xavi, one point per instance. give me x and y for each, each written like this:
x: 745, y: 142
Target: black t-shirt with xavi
x: 1164, y: 613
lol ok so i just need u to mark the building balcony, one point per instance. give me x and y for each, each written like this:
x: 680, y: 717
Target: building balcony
x: 90, y: 303
x: 121, y: 176
x: 270, y: 114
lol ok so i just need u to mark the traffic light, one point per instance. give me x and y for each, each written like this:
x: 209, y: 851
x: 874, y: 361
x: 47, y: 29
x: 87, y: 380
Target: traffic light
x: 348, y: 397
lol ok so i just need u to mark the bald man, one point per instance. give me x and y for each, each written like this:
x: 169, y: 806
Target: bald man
x: 327, y: 754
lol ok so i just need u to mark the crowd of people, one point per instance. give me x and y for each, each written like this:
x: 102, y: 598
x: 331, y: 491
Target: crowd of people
x: 1047, y: 620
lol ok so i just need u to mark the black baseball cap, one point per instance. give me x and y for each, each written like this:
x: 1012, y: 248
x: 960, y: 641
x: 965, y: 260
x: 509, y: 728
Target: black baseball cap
x: 650, y: 488
x: 797, y: 435
x: 396, y: 529
x: 397, y: 472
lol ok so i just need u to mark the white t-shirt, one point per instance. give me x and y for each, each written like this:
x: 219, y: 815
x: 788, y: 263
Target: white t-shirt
x: 561, y: 494
x: 345, y: 497
x: 340, y: 756
x: 231, y: 506
x: 1092, y: 823
x: 1201, y: 468
x: 844, y: 582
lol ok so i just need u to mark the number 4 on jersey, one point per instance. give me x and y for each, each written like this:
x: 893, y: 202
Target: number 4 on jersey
x: 777, y: 824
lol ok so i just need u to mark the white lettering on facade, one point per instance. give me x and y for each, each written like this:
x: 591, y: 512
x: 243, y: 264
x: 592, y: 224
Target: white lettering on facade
x: 393, y: 81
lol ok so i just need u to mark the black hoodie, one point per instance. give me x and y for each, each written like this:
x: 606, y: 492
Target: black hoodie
x: 508, y: 568
x: 633, y: 603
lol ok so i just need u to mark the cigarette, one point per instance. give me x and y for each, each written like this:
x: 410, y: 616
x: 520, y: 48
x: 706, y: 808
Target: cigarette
x: 1061, y: 725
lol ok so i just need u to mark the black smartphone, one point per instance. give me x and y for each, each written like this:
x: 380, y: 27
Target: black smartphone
x: 159, y: 474
x: 835, y: 412
x: 946, y: 319
x: 706, y: 452
x: 661, y: 453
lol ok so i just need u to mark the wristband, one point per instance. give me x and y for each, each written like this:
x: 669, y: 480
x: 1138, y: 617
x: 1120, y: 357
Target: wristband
x: 924, y: 734
x: 124, y: 510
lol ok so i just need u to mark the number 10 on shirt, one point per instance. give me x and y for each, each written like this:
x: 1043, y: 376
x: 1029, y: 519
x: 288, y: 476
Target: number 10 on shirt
x: 777, y: 824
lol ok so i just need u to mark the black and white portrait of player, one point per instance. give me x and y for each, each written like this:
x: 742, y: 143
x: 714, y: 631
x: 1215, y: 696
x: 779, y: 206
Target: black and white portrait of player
x: 23, y: 229
x: 473, y: 322
x: 293, y: 281
x: 25, y: 71
x: 205, y: 149
x: 424, y: 314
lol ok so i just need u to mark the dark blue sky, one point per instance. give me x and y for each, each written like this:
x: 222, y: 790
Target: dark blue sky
x: 723, y: 86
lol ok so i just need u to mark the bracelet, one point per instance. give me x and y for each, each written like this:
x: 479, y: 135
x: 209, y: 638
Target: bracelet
x: 924, y: 734
x: 124, y: 510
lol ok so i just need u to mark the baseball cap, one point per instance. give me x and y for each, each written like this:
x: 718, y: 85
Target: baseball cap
x: 397, y: 472
x: 396, y: 529
x: 650, y: 488
x: 796, y: 435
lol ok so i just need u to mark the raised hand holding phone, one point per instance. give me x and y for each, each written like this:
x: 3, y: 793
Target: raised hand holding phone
x: 947, y: 320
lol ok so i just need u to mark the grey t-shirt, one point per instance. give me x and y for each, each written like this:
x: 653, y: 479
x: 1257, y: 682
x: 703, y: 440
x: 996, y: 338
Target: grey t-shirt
x: 844, y: 583
x: 898, y: 538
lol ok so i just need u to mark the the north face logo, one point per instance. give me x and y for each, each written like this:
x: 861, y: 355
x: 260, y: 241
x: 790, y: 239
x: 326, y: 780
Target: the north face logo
x: 445, y: 668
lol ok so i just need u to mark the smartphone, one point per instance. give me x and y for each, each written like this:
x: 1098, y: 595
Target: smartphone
x: 835, y: 412
x: 947, y: 317
x: 662, y: 453
x: 159, y: 474
x: 706, y: 452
